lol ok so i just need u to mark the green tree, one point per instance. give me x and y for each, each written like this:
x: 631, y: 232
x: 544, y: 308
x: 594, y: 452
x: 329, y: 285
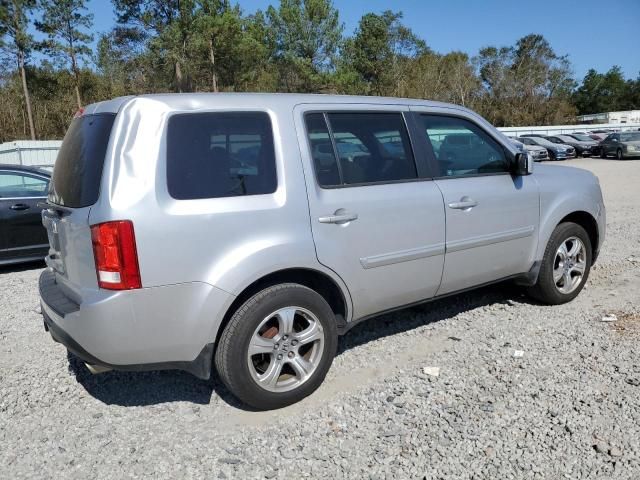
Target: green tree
x: 16, y: 42
x: 380, y: 50
x: 64, y: 23
x: 308, y: 35
x: 603, y: 92
x: 525, y: 84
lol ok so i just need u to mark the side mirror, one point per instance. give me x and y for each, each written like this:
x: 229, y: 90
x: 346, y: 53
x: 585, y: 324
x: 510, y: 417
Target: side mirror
x: 523, y: 164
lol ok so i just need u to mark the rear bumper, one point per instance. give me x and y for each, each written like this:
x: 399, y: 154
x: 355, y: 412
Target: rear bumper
x: 171, y: 327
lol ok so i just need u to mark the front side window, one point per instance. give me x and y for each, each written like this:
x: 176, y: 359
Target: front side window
x: 463, y: 148
x: 226, y: 154
x: 362, y: 148
x: 16, y: 185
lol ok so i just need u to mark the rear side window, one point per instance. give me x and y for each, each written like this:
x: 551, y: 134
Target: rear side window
x: 360, y: 148
x: 78, y: 169
x: 226, y: 154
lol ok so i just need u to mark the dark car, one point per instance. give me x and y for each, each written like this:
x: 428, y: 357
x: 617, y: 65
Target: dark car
x: 622, y: 145
x: 556, y: 151
x: 22, y: 236
x: 584, y: 148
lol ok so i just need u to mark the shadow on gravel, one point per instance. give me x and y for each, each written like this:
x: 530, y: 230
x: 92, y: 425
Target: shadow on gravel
x: 150, y: 388
x: 133, y: 389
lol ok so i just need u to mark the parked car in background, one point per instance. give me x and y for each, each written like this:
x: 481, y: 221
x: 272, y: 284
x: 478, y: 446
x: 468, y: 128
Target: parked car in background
x: 584, y: 148
x: 598, y: 137
x: 622, y: 145
x: 22, y: 236
x: 556, y: 151
x: 586, y: 141
x: 192, y: 230
x: 538, y: 153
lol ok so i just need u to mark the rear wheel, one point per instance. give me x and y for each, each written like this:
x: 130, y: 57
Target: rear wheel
x: 619, y: 154
x: 565, y: 265
x: 278, y: 346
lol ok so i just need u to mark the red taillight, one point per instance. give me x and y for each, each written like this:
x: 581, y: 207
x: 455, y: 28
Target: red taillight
x: 114, y: 251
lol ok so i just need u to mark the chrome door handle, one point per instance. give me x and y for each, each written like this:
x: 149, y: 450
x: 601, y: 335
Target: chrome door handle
x: 344, y: 218
x: 465, y: 203
x: 19, y: 206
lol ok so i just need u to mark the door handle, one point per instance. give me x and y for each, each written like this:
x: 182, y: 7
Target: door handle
x: 465, y: 203
x: 20, y: 206
x: 341, y: 218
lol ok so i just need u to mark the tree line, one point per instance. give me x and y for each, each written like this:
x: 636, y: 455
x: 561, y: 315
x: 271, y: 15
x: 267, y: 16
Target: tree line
x: 296, y: 46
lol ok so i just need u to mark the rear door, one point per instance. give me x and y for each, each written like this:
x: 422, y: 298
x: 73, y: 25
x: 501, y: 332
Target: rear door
x: 377, y: 220
x: 492, y: 216
x: 75, y: 187
x: 22, y: 231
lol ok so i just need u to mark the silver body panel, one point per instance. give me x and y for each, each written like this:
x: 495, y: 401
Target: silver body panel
x: 197, y: 256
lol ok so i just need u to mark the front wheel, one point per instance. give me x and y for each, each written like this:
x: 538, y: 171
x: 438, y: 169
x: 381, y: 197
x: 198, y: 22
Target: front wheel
x: 565, y: 266
x: 278, y: 346
x: 603, y: 153
x: 619, y: 154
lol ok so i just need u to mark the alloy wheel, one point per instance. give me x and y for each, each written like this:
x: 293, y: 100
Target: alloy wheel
x: 285, y: 349
x: 569, y: 265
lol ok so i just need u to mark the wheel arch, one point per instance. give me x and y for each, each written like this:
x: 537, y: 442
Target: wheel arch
x: 589, y: 223
x: 321, y: 282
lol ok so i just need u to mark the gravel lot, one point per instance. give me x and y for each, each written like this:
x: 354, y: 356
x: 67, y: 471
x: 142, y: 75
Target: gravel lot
x: 568, y: 408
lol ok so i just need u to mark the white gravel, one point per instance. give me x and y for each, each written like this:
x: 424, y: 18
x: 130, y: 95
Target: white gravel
x: 569, y: 407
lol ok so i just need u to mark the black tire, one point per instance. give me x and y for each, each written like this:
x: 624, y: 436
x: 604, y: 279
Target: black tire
x: 545, y: 289
x: 552, y: 156
x: 603, y: 153
x: 619, y: 154
x: 231, y: 354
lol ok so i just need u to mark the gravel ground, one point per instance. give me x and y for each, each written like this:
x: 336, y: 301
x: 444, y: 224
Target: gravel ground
x: 567, y: 408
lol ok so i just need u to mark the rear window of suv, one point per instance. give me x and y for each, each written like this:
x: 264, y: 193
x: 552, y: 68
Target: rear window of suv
x: 78, y: 168
x: 220, y: 154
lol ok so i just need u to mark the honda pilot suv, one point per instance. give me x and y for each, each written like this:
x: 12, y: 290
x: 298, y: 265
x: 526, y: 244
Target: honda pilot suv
x: 248, y: 231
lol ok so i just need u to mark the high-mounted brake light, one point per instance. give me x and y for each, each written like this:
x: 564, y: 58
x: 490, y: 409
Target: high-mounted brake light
x: 114, y: 251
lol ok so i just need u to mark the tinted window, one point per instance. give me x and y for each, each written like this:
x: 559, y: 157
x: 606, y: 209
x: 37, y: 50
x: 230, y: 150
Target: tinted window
x: 13, y: 185
x: 371, y: 148
x: 462, y: 148
x: 212, y: 155
x: 78, y: 168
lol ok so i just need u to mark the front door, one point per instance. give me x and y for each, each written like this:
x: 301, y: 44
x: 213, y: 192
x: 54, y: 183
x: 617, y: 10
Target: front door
x: 20, y: 217
x: 375, y: 220
x: 492, y: 216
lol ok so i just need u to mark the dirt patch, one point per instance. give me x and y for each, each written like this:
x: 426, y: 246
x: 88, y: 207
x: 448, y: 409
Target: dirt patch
x: 627, y: 323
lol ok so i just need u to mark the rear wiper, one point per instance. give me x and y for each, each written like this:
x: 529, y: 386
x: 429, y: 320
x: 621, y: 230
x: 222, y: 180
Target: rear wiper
x: 56, y: 208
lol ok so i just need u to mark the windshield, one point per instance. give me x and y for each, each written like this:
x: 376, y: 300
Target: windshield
x: 542, y: 141
x: 582, y: 138
x: 630, y: 137
x: 78, y: 168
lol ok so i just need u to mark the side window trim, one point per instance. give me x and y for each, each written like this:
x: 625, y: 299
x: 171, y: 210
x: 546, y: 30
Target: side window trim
x: 416, y: 147
x: 431, y: 157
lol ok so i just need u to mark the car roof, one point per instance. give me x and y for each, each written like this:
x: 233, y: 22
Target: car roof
x: 25, y: 168
x: 187, y: 101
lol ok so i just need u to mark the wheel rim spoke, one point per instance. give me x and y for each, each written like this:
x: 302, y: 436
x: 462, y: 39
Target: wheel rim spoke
x: 301, y: 367
x: 285, y: 320
x: 575, y: 248
x: 579, y: 267
x: 272, y: 374
x: 261, y: 345
x: 310, y: 334
x: 557, y: 274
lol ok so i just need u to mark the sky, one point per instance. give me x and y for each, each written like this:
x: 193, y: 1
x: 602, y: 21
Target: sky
x: 593, y: 33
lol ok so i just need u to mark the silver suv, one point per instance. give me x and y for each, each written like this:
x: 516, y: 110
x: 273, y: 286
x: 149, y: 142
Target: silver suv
x: 250, y: 230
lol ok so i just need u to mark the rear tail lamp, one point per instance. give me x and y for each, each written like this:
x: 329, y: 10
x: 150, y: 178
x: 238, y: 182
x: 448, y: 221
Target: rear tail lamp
x: 114, y: 251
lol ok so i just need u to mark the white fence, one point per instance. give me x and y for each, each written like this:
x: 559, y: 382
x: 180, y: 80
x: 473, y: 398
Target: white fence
x: 31, y: 153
